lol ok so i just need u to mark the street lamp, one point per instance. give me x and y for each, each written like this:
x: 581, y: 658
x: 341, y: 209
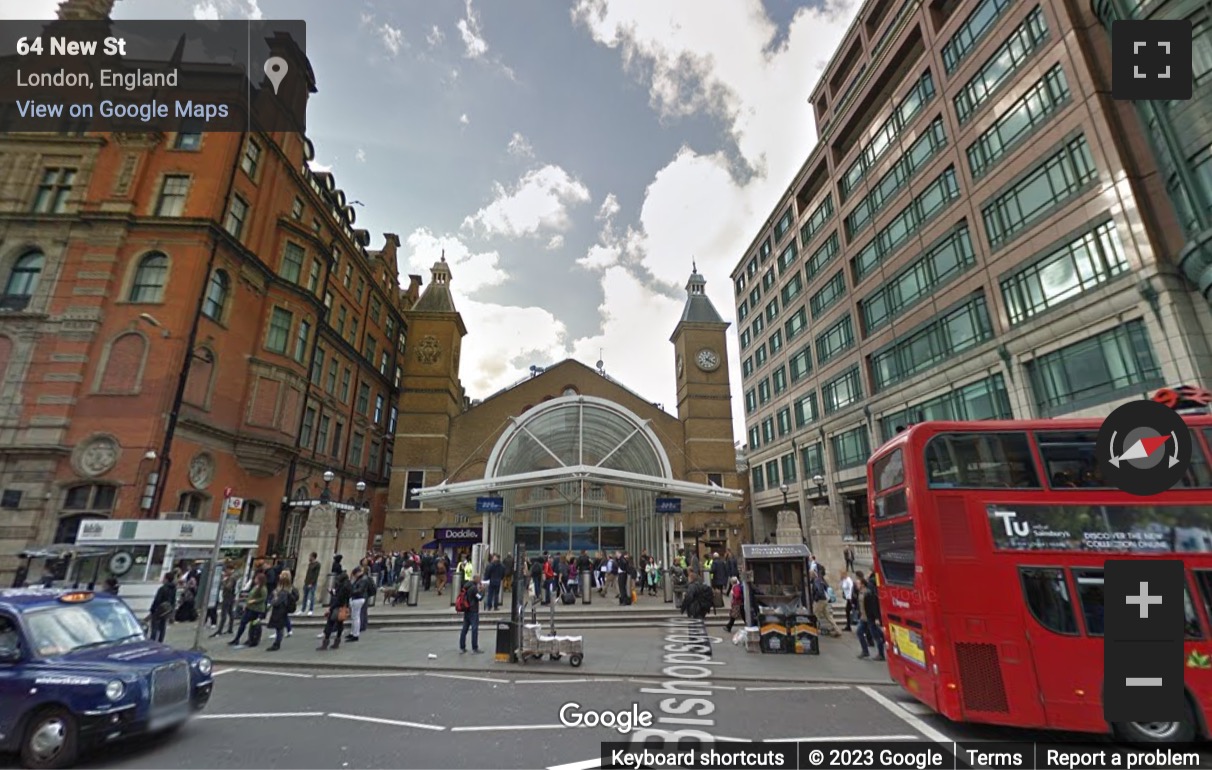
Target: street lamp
x: 783, y: 488
x: 361, y: 487
x: 819, y: 480
x: 326, y: 493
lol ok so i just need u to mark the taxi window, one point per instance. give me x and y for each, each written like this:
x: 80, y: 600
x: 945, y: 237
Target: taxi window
x: 10, y: 637
x: 60, y: 629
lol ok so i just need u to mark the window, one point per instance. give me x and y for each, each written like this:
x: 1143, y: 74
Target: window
x: 150, y: 277
x: 812, y: 457
x: 317, y: 365
x: 784, y: 224
x: 817, y: 220
x: 216, y: 296
x: 398, y: 376
x: 53, y: 190
x: 378, y: 416
x: 758, y: 325
x: 959, y: 329
x: 237, y: 213
x: 376, y: 308
x: 871, y: 151
x: 363, y: 398
x: 1005, y: 62
x: 768, y: 280
x: 850, y: 449
x: 768, y: 430
x: 764, y: 392
x: 897, y: 178
x: 328, y: 300
x: 1047, y: 596
x: 10, y: 499
x: 796, y: 324
x: 415, y: 480
x: 348, y: 274
x: 346, y: 377
x: 752, y: 268
x: 1081, y: 264
x: 981, y: 400
x: 764, y: 250
x: 251, y: 159
x: 750, y: 401
x: 792, y: 289
x: 928, y: 204
x: 1095, y: 370
x: 308, y: 427
x: 805, y: 410
x: 759, y: 481
x: 292, y: 262
x: 779, y: 378
x: 361, y: 290
x: 322, y: 434
x: 23, y: 278
x: 784, y: 421
x: 373, y: 462
x: 338, y: 429
x: 296, y: 209
x: 353, y: 331
x: 746, y: 338
x: 787, y: 258
x: 772, y: 309
x: 800, y: 364
x: 279, y: 330
x: 980, y: 461
x: 742, y: 310
x: 829, y: 294
x: 739, y: 285
x: 787, y: 462
x: 747, y: 367
x: 835, y: 340
x: 383, y: 363
x: 971, y: 31
x: 1019, y: 121
x: 192, y: 504
x: 755, y: 439
x: 776, y: 341
x: 95, y: 498
x: 341, y: 313
x: 772, y: 474
x: 187, y: 140
x: 302, y: 337
x: 313, y: 276
x: 356, y: 444
x: 331, y: 384
x: 948, y: 258
x: 371, y: 347
x: 842, y: 391
x: 171, y: 202
x: 391, y: 421
x: 821, y: 257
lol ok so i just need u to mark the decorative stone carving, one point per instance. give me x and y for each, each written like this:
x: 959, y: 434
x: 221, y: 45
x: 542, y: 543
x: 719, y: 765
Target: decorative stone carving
x: 788, y: 531
x: 319, y: 536
x: 96, y: 456
x: 201, y: 470
x: 429, y: 350
x: 354, y: 537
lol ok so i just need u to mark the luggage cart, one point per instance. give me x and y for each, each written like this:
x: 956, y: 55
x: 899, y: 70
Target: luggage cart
x: 536, y: 644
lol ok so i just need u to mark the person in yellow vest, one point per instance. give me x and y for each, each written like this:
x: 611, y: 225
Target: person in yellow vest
x: 707, y: 562
x: 468, y: 571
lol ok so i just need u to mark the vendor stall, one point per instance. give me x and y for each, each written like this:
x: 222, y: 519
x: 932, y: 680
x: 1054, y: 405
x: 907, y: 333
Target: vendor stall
x: 776, y: 598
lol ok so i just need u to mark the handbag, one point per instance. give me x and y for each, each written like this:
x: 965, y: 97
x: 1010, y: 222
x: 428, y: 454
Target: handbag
x: 342, y: 614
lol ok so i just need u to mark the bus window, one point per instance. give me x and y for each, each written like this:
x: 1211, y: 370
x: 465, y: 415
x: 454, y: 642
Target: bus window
x: 1198, y: 474
x: 889, y: 471
x: 980, y: 460
x: 1048, y: 598
x: 896, y: 549
x: 1070, y: 461
x: 891, y: 505
x: 1090, y: 594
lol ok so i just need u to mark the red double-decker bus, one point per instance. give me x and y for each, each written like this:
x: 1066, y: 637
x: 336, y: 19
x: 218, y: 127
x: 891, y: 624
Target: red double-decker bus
x: 989, y: 541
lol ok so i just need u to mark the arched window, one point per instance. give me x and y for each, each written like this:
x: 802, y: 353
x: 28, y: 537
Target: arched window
x: 150, y: 277
x: 124, y: 365
x: 192, y: 504
x: 82, y: 502
x: 216, y: 296
x: 250, y: 512
x: 23, y: 278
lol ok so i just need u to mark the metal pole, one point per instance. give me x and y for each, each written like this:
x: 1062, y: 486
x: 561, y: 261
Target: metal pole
x: 204, y: 591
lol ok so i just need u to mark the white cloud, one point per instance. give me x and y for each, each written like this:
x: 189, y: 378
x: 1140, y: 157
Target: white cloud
x: 435, y: 36
x: 392, y: 37
x: 520, y: 147
x: 469, y: 30
x: 473, y: 270
x: 556, y: 242
x: 464, y: 119
x: 360, y: 155
x: 609, y: 207
x: 540, y: 200
x: 212, y: 10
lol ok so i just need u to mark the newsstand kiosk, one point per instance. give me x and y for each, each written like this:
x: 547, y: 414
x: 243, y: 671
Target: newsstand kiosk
x: 776, y: 598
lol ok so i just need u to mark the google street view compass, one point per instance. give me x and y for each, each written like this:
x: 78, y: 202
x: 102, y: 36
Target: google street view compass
x: 1144, y: 448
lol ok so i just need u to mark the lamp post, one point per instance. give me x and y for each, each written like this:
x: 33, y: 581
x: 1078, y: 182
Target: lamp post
x: 326, y: 493
x: 361, y: 487
x: 819, y: 480
x: 799, y: 514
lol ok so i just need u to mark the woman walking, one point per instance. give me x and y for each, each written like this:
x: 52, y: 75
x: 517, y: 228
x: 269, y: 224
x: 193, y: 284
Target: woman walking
x: 439, y: 566
x: 254, y: 612
x: 285, y: 600
x: 162, y: 606
x: 337, y: 614
x: 737, y: 610
x: 227, y: 602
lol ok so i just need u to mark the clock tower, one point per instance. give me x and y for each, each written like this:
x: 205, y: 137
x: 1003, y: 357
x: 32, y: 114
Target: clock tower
x: 704, y: 392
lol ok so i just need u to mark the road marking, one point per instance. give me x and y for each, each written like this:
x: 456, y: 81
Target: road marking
x: 843, y: 738
x: 645, y: 681
x: 378, y: 721
x: 549, y: 681
x: 276, y: 673
x: 470, y: 678
x: 269, y: 715
x: 223, y: 671
x: 487, y: 728
x: 914, y: 707
x: 912, y: 720
x: 365, y: 676
x: 584, y: 764
x: 804, y: 687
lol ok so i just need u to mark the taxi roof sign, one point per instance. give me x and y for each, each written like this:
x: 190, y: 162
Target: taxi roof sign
x: 76, y: 597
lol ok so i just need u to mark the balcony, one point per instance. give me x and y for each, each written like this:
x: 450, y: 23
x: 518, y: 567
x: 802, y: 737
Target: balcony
x: 14, y: 302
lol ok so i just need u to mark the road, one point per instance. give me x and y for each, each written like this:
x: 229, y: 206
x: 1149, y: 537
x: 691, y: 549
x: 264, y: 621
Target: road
x: 263, y: 718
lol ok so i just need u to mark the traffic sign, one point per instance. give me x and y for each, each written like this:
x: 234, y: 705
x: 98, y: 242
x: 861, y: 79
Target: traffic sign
x: 669, y: 505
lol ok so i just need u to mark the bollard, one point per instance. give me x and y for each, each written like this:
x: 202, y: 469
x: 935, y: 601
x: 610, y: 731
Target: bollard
x: 414, y: 588
x: 456, y: 585
x: 586, y: 587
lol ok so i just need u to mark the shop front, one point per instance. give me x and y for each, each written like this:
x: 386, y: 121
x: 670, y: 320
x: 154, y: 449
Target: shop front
x: 454, y: 541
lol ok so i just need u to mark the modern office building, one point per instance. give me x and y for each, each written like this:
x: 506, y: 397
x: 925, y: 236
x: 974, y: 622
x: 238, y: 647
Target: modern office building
x: 183, y: 314
x: 980, y: 232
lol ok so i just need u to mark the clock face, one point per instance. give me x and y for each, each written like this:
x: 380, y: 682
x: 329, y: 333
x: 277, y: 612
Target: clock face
x: 707, y: 359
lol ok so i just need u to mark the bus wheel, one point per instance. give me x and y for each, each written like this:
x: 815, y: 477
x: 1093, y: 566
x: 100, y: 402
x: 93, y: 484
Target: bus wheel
x: 1158, y: 732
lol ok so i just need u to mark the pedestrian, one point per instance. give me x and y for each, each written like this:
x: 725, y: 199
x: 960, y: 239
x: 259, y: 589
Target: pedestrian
x: 820, y: 606
x: 254, y: 612
x: 469, y: 605
x: 495, y: 575
x: 869, y: 628
x: 736, y: 596
x: 111, y: 586
x: 469, y: 569
x: 338, y: 612
x: 162, y: 606
x: 507, y: 564
x: 439, y: 568
x: 622, y: 567
x: 310, y: 580
x: 285, y: 600
x: 227, y: 601
x: 337, y: 566
x: 848, y: 595
x: 848, y: 555
x: 359, y: 589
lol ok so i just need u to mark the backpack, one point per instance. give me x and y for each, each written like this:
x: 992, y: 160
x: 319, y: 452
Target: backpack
x: 292, y: 602
x: 830, y: 596
x: 461, y: 602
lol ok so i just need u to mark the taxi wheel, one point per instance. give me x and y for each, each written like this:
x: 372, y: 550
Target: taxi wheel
x: 51, y: 740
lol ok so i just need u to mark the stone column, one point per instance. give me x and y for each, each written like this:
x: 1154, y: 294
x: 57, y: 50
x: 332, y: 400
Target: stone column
x: 788, y: 531
x: 825, y: 533
x: 355, y: 534
x: 319, y: 535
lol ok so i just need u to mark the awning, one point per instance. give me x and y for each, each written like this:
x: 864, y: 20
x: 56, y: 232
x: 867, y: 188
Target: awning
x: 430, y: 546
x: 60, y: 551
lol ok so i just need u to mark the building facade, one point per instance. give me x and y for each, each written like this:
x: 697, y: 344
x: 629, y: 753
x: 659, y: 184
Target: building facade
x: 980, y: 232
x: 184, y: 314
x: 574, y: 456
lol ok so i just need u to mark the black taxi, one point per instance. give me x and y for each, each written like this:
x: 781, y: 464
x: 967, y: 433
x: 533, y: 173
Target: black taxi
x: 76, y: 671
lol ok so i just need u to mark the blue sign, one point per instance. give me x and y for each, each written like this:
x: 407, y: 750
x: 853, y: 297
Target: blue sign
x: 669, y: 505
x: 490, y: 504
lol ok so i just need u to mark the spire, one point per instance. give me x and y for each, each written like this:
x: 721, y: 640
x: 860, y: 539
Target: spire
x: 698, y: 307
x: 437, y: 298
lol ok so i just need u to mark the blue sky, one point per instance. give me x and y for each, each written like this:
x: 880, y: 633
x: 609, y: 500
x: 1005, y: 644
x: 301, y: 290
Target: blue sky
x: 572, y: 158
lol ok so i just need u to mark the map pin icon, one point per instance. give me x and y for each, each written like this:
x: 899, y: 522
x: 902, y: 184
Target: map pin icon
x: 275, y: 70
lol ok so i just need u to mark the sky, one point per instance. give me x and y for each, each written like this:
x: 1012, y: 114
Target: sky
x: 573, y: 159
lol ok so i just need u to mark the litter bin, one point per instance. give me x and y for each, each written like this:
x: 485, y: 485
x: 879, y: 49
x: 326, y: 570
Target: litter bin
x: 456, y: 585
x: 586, y: 587
x: 806, y: 636
x: 414, y: 588
x: 506, y: 646
x: 775, y: 634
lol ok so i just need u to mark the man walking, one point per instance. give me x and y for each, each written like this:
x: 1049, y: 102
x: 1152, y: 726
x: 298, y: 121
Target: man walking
x: 310, y: 580
x: 820, y: 606
x: 494, y: 575
x: 869, y: 628
x: 848, y: 595
x: 469, y: 604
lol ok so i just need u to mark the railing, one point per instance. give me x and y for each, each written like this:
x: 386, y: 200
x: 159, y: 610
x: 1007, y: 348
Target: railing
x: 862, y: 552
